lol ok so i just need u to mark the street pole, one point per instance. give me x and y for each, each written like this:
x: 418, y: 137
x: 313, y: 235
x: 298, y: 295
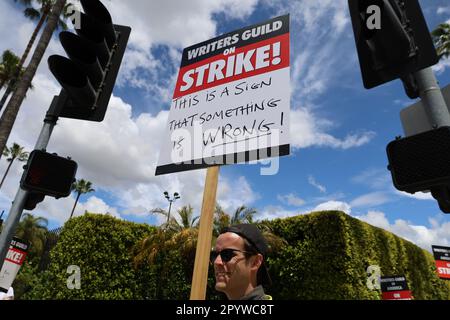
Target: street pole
x: 18, y: 204
x: 432, y: 98
x: 168, y: 215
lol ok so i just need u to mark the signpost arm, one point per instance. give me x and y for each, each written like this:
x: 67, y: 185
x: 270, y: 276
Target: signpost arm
x: 19, y: 201
x: 201, y: 265
x: 432, y: 98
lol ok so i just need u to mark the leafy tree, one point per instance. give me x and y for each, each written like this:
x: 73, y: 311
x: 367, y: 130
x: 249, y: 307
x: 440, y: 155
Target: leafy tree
x: 13, y: 153
x: 441, y: 38
x: 80, y: 187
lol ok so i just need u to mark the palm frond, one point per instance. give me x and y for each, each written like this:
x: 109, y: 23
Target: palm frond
x: 32, y: 13
x: 441, y: 39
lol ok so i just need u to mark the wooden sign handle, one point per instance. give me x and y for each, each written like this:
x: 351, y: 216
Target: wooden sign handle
x: 201, y: 264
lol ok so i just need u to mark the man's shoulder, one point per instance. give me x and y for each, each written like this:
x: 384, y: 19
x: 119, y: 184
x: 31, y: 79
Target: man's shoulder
x: 257, y: 294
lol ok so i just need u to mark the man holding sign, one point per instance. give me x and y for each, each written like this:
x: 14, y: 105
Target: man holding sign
x: 239, y: 265
x: 230, y: 105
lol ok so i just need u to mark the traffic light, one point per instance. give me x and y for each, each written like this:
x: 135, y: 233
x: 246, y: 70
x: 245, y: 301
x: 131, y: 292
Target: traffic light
x: 95, y: 54
x: 421, y: 162
x: 48, y: 174
x: 392, y: 39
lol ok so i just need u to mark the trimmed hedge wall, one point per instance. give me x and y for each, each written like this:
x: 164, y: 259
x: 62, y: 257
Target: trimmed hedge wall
x: 101, y: 246
x: 326, y: 257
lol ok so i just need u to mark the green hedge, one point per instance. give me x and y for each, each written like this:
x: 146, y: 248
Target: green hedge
x: 326, y: 257
x: 101, y: 246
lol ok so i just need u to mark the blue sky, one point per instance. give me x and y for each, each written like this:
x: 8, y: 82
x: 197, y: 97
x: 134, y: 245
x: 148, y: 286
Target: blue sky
x: 339, y: 130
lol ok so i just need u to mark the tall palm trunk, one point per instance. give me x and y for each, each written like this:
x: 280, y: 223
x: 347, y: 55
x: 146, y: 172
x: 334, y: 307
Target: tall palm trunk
x: 6, y: 94
x: 75, y: 204
x: 24, y: 57
x: 12, y: 109
x: 6, y: 172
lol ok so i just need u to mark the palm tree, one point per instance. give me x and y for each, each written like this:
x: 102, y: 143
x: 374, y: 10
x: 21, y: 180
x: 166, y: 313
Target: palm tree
x: 153, y: 249
x: 221, y: 220
x: 33, y: 229
x: 8, y: 66
x: 14, y: 152
x: 186, y: 215
x: 241, y: 215
x: 41, y: 14
x: 12, y: 108
x: 245, y: 215
x: 80, y: 187
x: 441, y: 38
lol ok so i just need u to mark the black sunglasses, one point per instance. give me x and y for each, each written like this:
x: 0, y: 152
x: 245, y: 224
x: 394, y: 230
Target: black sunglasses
x: 226, y: 254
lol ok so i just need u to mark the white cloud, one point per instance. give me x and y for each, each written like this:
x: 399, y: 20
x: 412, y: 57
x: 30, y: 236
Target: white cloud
x: 291, y: 199
x: 402, y: 102
x: 274, y: 212
x: 312, y: 181
x: 119, y: 154
x: 438, y: 233
x: 334, y: 196
x: 171, y: 23
x: 233, y: 193
x: 418, y: 195
x: 321, y: 41
x: 374, y: 178
x: 307, y: 130
x: 333, y: 205
x: 372, y: 199
x: 441, y: 66
x: 340, y: 20
x: 178, y: 25
x: 375, y: 218
x: 323, y: 45
x: 59, y: 210
x: 443, y: 10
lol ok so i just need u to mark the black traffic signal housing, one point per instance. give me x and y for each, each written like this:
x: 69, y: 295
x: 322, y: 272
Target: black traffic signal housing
x: 48, y: 174
x: 32, y: 199
x: 421, y: 162
x: 400, y: 46
x: 95, y: 54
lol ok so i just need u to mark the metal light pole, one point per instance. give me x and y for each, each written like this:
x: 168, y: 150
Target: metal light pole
x: 175, y: 196
x: 1, y: 220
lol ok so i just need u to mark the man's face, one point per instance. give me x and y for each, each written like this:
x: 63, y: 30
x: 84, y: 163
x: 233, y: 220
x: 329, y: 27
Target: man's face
x: 232, y: 276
